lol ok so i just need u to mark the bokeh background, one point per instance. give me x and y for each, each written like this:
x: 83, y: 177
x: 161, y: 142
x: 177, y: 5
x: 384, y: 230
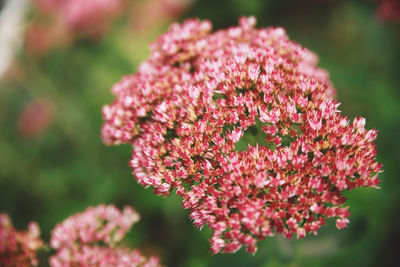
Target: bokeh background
x: 53, y: 162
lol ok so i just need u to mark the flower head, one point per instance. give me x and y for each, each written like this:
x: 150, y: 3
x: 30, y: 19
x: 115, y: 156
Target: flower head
x: 18, y: 248
x: 201, y: 96
x: 90, y: 239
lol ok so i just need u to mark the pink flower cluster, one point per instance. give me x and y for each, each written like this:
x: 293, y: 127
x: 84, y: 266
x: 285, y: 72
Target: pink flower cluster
x: 90, y: 239
x: 18, y: 248
x: 187, y: 109
x: 90, y: 17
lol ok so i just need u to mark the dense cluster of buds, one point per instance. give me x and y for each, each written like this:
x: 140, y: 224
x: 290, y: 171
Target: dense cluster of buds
x: 90, y: 239
x: 194, y: 107
x: 90, y: 17
x: 18, y: 248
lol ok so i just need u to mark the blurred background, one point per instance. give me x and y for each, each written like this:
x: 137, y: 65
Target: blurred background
x: 59, y: 61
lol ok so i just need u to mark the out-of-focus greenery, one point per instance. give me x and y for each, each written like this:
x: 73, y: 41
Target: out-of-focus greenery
x: 67, y: 167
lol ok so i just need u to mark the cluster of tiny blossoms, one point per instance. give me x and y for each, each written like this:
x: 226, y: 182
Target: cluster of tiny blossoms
x: 90, y: 17
x: 18, y: 248
x: 90, y: 239
x: 186, y: 109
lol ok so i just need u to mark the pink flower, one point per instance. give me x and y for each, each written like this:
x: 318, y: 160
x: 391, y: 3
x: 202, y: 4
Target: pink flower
x: 148, y: 14
x: 35, y: 117
x: 389, y: 10
x: 201, y: 93
x: 18, y: 248
x: 90, y: 17
x: 42, y: 36
x: 341, y: 223
x: 78, y: 240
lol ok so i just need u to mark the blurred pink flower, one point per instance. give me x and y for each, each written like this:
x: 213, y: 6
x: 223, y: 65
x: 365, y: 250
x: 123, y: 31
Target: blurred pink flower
x: 18, y: 248
x: 389, y: 10
x: 188, y: 107
x: 147, y: 14
x: 35, y: 117
x: 88, y: 17
x: 41, y: 37
x: 90, y: 239
x: 38, y: 39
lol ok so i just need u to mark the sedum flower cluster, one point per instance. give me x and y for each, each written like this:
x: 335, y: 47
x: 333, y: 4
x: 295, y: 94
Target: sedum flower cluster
x: 85, y: 239
x: 90, y: 238
x: 194, y: 107
x: 18, y: 248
